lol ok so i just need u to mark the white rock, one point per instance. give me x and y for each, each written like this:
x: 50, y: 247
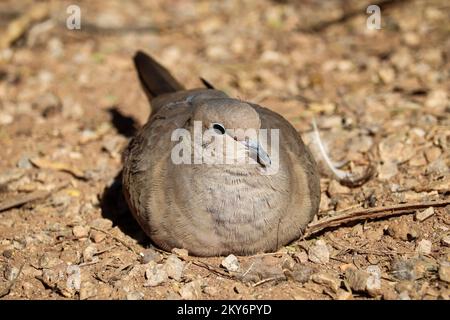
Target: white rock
x: 6, y: 118
x: 89, y: 253
x: 373, y: 283
x: 424, y: 246
x: 174, y: 267
x: 155, y: 274
x: 80, y: 231
x: 191, y: 290
x: 425, y: 214
x: 319, y: 253
x: 446, y: 240
x: 231, y: 263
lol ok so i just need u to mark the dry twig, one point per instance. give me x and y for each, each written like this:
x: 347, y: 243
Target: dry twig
x: 12, y: 283
x: 20, y: 200
x: 117, y: 239
x: 211, y: 268
x: 267, y: 280
x: 370, y: 213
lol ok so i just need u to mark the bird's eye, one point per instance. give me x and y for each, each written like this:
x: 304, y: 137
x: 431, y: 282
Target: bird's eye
x: 218, y: 128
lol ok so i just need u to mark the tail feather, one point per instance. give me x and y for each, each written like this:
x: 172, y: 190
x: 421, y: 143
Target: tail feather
x: 154, y: 78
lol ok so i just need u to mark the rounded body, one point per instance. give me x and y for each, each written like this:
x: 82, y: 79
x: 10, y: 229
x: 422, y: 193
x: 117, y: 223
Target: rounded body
x: 217, y: 209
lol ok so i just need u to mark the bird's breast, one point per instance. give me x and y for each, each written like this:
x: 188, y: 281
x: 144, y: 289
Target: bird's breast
x: 234, y: 197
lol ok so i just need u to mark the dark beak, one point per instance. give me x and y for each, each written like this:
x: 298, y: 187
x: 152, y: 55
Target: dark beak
x: 257, y: 153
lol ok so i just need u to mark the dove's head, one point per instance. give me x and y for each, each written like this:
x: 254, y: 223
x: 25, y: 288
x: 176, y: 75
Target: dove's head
x: 236, y: 122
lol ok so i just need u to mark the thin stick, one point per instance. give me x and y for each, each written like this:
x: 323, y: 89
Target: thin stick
x: 23, y: 199
x: 211, y: 268
x: 267, y: 280
x: 11, y: 284
x: 370, y: 213
x: 20, y: 200
x: 117, y: 239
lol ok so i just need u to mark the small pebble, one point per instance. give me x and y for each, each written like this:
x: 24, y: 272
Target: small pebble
x: 231, y: 263
x: 156, y: 275
x: 97, y: 236
x: 135, y: 295
x: 432, y: 154
x: 425, y: 214
x: 210, y: 291
x: 373, y: 283
x: 89, y: 253
x: 409, y: 269
x: 28, y: 288
x: 87, y: 290
x: 404, y: 286
x: 319, y: 253
x: 404, y: 296
x: 357, y: 279
x: 300, y: 274
x: 149, y: 255
x: 101, y: 223
x: 174, y: 267
x: 191, y: 290
x: 11, y: 273
x: 336, y: 188
x: 49, y: 260
x: 61, y: 200
x: 402, y: 230
x: 69, y: 255
x: 80, y: 231
x: 288, y: 263
x: 24, y: 163
x: 424, y: 246
x: 6, y: 119
x: 327, y: 280
x: 8, y: 253
x: 344, y: 295
x: 301, y: 257
x: 444, y: 272
x: 183, y: 253
x: 263, y: 268
x: 446, y: 240
x: 172, y: 296
x: 50, y: 277
x: 389, y: 293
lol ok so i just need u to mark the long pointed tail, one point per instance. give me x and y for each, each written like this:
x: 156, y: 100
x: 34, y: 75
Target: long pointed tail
x: 155, y: 79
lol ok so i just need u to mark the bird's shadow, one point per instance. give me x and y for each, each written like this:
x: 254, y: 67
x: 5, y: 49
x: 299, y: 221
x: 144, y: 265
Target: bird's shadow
x: 113, y: 204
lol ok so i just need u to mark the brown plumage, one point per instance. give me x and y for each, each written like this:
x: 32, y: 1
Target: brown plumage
x: 215, y: 209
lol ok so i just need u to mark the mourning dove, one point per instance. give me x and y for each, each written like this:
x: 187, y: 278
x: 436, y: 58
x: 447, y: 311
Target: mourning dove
x: 216, y: 208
